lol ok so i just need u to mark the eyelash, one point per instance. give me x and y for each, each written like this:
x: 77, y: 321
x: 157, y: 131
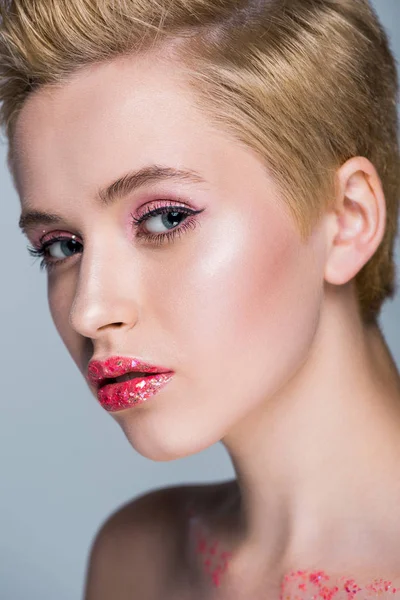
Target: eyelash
x: 154, y: 238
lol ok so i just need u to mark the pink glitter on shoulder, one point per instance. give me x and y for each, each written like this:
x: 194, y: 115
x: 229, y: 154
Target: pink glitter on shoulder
x: 214, y: 559
x: 318, y: 585
x: 296, y: 585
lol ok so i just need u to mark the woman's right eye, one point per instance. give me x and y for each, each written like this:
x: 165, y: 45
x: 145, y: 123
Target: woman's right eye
x: 56, y: 251
x: 61, y: 249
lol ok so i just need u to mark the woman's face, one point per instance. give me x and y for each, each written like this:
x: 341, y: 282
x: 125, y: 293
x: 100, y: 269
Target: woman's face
x: 230, y: 303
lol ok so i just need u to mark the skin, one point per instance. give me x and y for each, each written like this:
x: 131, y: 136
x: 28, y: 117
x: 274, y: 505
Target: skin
x: 263, y: 331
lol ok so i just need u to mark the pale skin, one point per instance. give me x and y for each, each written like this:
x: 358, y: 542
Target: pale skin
x: 262, y: 330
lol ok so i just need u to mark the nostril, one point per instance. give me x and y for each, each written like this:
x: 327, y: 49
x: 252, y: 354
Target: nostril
x: 114, y: 325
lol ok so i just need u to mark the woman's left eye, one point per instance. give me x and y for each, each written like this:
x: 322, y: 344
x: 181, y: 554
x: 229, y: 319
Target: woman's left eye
x: 168, y: 219
x: 164, y: 223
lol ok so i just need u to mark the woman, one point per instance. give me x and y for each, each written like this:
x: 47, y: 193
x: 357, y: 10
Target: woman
x: 213, y: 188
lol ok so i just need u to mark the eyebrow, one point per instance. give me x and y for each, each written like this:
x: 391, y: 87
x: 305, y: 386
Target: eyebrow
x: 117, y: 190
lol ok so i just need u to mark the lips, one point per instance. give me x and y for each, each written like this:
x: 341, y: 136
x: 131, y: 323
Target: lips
x: 126, y: 377
x: 100, y: 373
x: 123, y: 382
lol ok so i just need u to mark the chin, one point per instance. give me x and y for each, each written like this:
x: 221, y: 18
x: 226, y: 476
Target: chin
x: 162, y: 442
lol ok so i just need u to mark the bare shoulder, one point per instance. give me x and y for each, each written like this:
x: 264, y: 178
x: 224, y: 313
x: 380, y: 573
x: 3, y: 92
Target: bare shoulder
x: 138, y: 548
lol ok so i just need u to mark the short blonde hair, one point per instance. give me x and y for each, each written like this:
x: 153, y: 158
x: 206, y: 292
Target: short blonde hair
x: 307, y: 84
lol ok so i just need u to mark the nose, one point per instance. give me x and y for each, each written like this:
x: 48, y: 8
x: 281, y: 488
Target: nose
x: 104, y: 298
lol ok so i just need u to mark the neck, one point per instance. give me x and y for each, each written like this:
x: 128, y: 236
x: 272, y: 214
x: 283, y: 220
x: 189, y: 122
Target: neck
x: 317, y: 464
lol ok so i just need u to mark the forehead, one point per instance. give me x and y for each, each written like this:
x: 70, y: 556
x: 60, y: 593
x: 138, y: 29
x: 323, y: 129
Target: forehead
x: 119, y: 117
x: 105, y: 120
x: 141, y: 87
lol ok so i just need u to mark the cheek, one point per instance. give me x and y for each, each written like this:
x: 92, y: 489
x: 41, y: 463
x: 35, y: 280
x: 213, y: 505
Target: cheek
x: 60, y: 294
x: 240, y: 311
x: 250, y: 274
x: 250, y: 303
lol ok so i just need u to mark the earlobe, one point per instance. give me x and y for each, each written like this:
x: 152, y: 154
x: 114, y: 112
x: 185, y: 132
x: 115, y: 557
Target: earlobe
x: 359, y: 220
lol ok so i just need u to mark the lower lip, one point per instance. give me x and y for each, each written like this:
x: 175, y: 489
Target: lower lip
x: 119, y: 396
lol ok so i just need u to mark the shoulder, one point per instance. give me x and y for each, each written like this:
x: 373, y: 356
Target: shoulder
x: 138, y: 547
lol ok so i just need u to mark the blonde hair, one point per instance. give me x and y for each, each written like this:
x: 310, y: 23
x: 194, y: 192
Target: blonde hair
x: 307, y: 84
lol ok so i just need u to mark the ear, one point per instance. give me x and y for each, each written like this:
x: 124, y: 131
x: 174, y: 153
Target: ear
x: 358, y: 220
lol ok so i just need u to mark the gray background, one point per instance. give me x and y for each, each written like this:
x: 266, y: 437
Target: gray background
x: 65, y: 463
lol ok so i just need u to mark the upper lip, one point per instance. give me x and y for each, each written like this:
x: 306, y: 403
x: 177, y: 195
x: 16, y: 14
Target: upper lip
x: 99, y: 371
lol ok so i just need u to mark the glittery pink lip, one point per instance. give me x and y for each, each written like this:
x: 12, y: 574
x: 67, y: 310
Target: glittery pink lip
x: 120, y: 395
